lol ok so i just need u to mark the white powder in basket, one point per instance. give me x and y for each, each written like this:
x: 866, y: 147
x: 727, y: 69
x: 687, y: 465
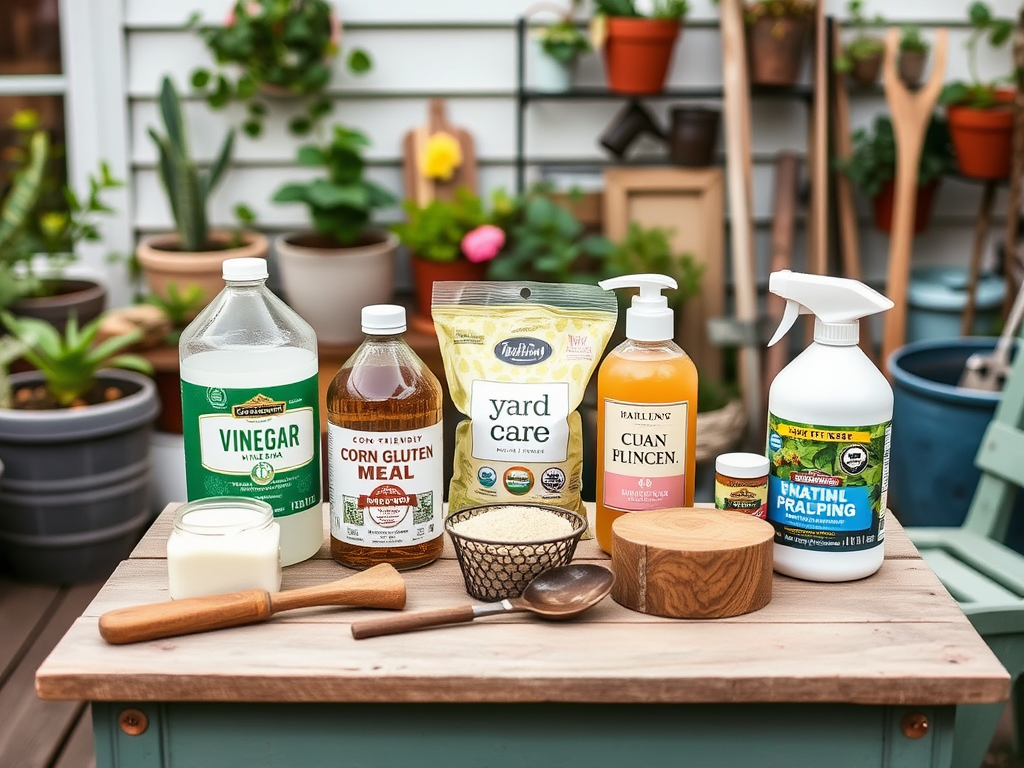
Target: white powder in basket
x: 514, y: 523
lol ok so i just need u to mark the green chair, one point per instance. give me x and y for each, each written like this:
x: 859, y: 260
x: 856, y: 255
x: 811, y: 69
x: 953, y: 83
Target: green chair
x: 981, y: 573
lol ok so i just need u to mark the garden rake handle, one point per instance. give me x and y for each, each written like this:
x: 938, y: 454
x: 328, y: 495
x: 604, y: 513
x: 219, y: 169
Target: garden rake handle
x: 378, y: 587
x: 911, y: 114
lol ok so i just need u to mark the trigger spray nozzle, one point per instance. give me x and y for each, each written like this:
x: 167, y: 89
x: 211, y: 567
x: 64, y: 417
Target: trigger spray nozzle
x: 837, y: 303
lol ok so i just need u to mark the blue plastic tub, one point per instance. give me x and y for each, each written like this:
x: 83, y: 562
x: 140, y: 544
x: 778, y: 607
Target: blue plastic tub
x: 937, y: 296
x: 937, y: 428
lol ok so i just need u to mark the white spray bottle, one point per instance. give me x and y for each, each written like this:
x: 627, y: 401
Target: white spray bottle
x: 829, y: 421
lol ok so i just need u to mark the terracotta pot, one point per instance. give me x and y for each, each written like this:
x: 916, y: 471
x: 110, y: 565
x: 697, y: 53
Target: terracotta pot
x: 911, y: 67
x: 638, y: 53
x: 867, y: 69
x: 163, y: 264
x: 85, y: 298
x: 693, y: 136
x: 328, y: 284
x: 923, y: 204
x: 983, y: 138
x: 775, y: 50
x: 426, y: 272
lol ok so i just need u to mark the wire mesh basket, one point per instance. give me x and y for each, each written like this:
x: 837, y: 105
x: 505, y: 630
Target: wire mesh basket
x: 496, y: 570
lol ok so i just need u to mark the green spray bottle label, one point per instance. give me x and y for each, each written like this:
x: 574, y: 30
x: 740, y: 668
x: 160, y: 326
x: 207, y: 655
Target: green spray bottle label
x: 827, y: 486
x: 262, y: 443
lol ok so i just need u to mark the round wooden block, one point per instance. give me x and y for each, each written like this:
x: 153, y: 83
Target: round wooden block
x: 692, y: 563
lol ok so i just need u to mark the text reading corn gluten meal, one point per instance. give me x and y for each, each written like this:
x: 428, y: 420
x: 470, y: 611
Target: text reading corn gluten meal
x: 518, y: 357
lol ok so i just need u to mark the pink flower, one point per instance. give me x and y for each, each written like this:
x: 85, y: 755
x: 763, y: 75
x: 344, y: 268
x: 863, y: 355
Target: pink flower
x: 483, y: 243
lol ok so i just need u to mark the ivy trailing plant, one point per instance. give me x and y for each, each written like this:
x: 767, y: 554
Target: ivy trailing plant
x: 977, y: 93
x: 274, y: 48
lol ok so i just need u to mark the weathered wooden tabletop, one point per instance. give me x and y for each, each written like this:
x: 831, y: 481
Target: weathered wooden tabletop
x: 894, y: 638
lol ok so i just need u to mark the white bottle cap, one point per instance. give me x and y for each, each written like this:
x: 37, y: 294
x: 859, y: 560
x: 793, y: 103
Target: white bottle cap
x: 742, y: 465
x: 245, y: 269
x: 383, y: 319
x: 649, y: 317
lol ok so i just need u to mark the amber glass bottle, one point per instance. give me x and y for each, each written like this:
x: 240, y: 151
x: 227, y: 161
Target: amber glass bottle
x: 385, y: 458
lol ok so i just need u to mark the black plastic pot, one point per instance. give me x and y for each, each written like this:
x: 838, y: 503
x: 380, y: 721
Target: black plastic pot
x: 693, y: 136
x: 76, y: 485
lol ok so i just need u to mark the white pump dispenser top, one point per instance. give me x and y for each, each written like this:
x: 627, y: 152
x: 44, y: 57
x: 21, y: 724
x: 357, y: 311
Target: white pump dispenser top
x: 649, y: 318
x: 836, y: 302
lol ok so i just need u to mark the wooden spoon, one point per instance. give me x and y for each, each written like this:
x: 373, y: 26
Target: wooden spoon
x: 378, y: 587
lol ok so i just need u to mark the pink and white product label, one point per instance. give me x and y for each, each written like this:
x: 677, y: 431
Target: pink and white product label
x: 644, y: 455
x: 387, y: 488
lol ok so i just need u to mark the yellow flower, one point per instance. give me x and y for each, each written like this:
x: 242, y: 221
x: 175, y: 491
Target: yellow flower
x: 441, y: 156
x: 52, y: 223
x: 25, y: 120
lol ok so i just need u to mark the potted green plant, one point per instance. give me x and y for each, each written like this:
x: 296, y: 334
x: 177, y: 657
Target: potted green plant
x: 776, y: 37
x: 329, y: 273
x: 548, y: 243
x: 450, y: 240
x: 872, y: 168
x: 38, y: 236
x: 194, y: 254
x: 980, y: 114
x: 554, y: 48
x: 639, y: 38
x: 862, y: 55
x: 913, y: 55
x: 74, y: 439
x: 276, y: 48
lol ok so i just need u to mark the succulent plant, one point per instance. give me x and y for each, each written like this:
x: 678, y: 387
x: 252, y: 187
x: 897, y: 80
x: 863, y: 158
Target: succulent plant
x: 188, y: 188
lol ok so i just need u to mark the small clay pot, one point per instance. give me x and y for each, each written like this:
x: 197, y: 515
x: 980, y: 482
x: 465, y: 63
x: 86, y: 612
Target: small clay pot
x: 866, y: 70
x: 911, y: 67
x: 693, y: 136
x: 775, y: 50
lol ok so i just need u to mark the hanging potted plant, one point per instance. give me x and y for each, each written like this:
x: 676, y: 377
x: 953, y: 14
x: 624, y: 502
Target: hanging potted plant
x: 448, y: 240
x: 554, y: 49
x: 776, y: 36
x: 872, y: 168
x: 862, y: 56
x: 330, y: 273
x: 980, y: 114
x: 638, y: 38
x: 38, y: 237
x: 913, y: 55
x: 74, y: 439
x: 195, y: 253
x: 278, y: 49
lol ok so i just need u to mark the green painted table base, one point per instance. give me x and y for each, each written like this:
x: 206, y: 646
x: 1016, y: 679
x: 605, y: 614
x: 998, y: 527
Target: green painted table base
x: 215, y: 735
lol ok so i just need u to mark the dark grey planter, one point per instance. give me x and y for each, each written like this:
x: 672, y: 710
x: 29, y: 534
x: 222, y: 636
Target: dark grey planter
x: 76, y: 485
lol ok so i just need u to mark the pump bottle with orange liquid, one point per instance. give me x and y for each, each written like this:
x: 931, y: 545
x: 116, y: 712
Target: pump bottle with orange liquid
x: 646, y: 412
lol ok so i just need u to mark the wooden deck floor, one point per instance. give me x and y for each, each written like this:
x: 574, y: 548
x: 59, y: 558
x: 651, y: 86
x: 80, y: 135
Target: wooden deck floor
x: 34, y: 733
x: 58, y: 734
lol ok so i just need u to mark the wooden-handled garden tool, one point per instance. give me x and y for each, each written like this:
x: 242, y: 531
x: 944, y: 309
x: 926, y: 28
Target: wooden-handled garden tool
x: 379, y: 587
x: 911, y: 114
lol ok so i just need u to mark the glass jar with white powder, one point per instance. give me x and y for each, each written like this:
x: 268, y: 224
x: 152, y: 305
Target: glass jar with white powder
x: 223, y: 544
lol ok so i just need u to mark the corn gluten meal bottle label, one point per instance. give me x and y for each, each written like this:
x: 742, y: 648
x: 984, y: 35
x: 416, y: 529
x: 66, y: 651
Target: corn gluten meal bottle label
x: 391, y: 485
x: 262, y: 443
x: 827, y: 486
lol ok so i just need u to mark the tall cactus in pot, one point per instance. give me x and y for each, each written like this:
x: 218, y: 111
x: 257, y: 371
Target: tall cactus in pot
x: 188, y: 188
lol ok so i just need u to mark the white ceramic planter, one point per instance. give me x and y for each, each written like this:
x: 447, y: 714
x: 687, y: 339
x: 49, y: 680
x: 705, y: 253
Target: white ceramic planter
x: 329, y: 286
x: 545, y: 73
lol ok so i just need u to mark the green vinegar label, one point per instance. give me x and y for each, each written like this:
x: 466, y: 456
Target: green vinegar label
x: 827, y: 485
x: 261, y: 443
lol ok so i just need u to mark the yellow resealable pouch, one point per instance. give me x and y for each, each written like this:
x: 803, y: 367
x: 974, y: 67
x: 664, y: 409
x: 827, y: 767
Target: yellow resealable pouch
x: 518, y: 357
